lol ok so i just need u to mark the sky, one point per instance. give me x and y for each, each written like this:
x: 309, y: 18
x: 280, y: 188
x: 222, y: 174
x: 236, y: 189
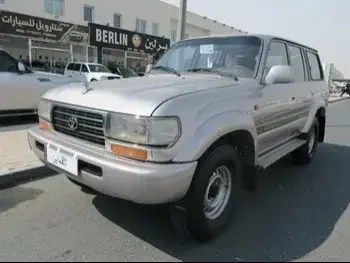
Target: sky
x: 321, y: 24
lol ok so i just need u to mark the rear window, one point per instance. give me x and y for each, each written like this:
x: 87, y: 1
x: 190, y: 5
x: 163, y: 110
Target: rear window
x: 315, y: 66
x: 77, y: 67
x: 70, y: 66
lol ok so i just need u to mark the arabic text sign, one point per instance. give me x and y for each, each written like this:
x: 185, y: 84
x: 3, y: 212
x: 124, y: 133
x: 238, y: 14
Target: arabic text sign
x: 30, y: 26
x: 116, y: 38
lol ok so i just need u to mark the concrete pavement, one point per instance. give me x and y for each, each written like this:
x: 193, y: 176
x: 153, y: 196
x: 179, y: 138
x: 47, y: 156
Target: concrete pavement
x: 17, y: 161
x: 297, y: 213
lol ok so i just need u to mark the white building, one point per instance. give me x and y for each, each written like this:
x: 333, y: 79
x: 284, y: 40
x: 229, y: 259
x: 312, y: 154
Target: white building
x: 151, y: 17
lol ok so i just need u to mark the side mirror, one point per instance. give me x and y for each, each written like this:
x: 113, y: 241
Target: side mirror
x: 21, y: 68
x: 279, y: 74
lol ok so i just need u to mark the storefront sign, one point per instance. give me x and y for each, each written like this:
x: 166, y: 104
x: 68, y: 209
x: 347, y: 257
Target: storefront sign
x: 116, y: 38
x: 42, y: 28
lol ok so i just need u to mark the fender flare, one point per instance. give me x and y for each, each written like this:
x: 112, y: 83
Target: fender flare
x: 212, y: 130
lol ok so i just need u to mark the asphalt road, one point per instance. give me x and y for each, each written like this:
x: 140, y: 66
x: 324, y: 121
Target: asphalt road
x: 298, y: 213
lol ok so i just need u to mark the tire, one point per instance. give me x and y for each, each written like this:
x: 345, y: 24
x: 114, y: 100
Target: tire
x: 93, y: 80
x: 189, y: 216
x: 306, y: 153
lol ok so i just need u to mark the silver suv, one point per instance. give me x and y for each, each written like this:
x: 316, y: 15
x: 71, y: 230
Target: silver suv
x: 211, y: 113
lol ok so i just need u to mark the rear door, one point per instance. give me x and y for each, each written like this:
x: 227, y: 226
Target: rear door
x: 76, y: 72
x: 301, y: 93
x: 84, y: 73
x: 69, y: 69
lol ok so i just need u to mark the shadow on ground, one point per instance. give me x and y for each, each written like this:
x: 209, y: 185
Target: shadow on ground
x: 11, y: 197
x: 293, y: 212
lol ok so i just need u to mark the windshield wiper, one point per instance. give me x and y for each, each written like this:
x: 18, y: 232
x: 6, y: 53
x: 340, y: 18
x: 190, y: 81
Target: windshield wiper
x: 219, y: 72
x: 167, y: 69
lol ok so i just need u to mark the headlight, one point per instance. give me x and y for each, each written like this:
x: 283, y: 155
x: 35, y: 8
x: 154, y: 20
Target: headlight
x: 44, y: 110
x: 153, y: 131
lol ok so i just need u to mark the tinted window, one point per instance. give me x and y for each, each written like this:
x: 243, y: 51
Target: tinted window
x: 314, y: 65
x: 84, y: 68
x: 76, y: 67
x: 98, y: 68
x: 70, y: 66
x: 127, y: 73
x: 296, y: 61
x: 277, y: 55
x: 7, y: 63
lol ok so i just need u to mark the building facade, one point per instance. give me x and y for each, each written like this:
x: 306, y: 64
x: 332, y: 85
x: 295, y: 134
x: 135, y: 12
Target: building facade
x: 151, y: 21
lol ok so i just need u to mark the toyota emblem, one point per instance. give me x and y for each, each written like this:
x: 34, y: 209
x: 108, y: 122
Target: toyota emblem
x: 73, y: 123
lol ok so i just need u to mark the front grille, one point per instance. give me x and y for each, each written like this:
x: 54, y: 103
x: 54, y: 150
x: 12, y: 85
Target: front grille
x: 89, y: 124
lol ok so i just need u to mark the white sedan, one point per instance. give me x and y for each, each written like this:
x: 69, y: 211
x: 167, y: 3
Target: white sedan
x: 21, y: 88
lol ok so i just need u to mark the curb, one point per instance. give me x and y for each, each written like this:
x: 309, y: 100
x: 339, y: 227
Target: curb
x: 22, y: 175
x: 340, y: 99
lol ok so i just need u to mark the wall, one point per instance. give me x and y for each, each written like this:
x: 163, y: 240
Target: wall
x: 150, y: 10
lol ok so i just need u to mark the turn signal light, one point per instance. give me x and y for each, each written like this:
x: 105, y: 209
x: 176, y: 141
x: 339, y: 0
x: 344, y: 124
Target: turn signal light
x: 44, y: 125
x: 129, y: 152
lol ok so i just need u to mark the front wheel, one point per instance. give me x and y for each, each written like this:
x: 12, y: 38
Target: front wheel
x: 306, y: 153
x: 206, y: 209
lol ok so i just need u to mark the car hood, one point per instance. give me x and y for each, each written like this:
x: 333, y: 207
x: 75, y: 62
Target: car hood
x: 56, y: 79
x: 138, y: 96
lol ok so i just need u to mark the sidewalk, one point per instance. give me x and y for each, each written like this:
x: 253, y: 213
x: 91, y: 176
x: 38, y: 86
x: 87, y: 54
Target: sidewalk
x: 17, y: 161
x: 338, y: 98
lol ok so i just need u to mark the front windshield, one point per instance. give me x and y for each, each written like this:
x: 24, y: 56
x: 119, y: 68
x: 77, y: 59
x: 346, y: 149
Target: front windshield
x: 98, y: 68
x: 237, y: 55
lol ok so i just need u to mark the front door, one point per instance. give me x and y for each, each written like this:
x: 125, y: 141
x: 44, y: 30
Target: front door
x: 275, y: 110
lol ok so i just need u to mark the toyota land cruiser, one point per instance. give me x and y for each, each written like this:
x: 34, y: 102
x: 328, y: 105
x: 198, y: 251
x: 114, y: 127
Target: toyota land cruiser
x: 210, y: 114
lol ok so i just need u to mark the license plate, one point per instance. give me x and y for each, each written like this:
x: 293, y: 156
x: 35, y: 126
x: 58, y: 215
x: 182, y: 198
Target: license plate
x: 62, y: 161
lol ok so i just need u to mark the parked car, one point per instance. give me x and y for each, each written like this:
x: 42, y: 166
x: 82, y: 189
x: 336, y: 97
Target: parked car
x: 88, y: 72
x: 191, y: 131
x: 21, y: 87
x: 124, y: 72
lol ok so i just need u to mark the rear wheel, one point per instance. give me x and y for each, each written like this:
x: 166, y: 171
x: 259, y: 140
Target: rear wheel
x: 306, y: 153
x: 93, y: 80
x: 206, y: 209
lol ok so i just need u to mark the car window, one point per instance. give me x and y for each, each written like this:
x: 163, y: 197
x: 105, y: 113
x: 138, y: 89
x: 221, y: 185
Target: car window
x: 276, y: 56
x: 77, y: 67
x: 84, y: 68
x: 314, y: 65
x: 98, y: 68
x: 127, y: 73
x: 7, y: 63
x: 296, y: 61
x: 70, y: 66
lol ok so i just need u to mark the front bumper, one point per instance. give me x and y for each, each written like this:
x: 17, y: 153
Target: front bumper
x: 136, y: 181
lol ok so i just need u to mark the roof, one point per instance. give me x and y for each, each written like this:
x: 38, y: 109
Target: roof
x: 265, y: 37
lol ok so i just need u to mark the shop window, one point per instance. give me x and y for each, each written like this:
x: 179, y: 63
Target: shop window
x: 155, y: 29
x: 7, y: 63
x: 117, y: 20
x: 88, y: 13
x: 141, y: 25
x: 54, y: 7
